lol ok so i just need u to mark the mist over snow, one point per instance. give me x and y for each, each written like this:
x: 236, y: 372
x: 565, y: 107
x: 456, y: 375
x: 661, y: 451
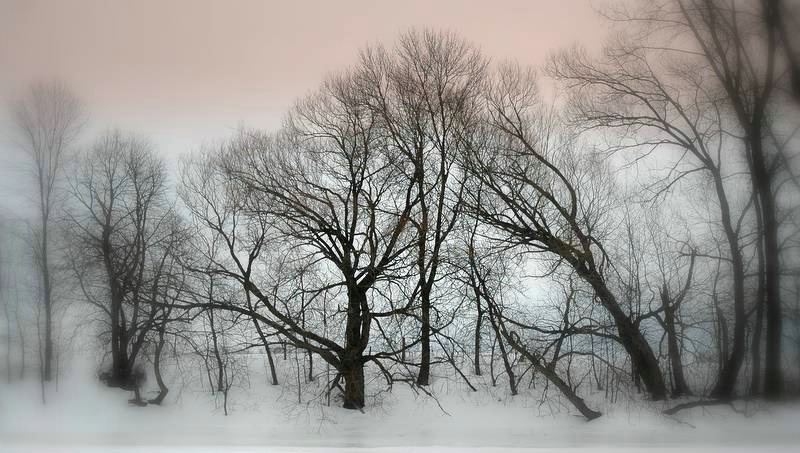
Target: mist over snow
x: 87, y: 416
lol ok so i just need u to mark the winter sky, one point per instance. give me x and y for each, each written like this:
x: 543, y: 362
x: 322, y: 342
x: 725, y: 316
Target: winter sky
x: 184, y: 72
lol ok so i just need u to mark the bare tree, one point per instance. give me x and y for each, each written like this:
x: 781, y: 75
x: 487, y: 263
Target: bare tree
x: 425, y: 93
x: 329, y: 194
x: 49, y: 119
x: 119, y: 223
x: 626, y: 93
x: 743, y: 58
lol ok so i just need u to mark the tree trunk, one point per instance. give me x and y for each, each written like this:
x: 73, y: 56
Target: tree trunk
x: 273, y: 374
x: 162, y: 387
x: 512, y: 380
x: 595, y: 374
x: 762, y: 178
x: 722, y: 337
x: 491, y: 362
x: 121, y: 367
x: 551, y: 375
x: 356, y: 338
x: 729, y: 372
x: 680, y: 387
x: 731, y: 364
x: 755, y: 349
x: 310, y: 366
x: 121, y: 374
x: 264, y: 341
x: 217, y: 356
x: 425, y: 359
x: 645, y: 362
x: 773, y: 373
x: 47, y: 296
x: 48, y: 330
x: 353, y: 384
x: 478, y: 339
x: 642, y: 357
x: 21, y: 334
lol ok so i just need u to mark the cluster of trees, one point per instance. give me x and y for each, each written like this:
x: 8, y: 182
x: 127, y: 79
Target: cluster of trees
x: 427, y: 205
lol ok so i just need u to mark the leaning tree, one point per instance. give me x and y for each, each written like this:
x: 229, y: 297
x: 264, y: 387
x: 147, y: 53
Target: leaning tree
x: 531, y: 185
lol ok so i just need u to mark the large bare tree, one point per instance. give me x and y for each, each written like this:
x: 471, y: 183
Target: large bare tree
x: 326, y: 195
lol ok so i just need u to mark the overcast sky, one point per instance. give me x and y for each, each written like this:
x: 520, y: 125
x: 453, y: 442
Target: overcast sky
x: 183, y: 72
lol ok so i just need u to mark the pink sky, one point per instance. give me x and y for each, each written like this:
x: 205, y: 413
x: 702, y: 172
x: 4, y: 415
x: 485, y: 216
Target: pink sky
x: 181, y: 60
x: 183, y: 72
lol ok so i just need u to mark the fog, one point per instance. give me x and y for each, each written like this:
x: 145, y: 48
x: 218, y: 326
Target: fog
x: 423, y: 226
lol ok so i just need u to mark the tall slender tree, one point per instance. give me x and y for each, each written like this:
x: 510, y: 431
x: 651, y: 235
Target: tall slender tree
x: 49, y: 119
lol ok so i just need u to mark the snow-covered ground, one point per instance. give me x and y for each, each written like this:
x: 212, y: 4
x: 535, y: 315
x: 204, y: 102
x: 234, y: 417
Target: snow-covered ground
x: 84, y: 416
